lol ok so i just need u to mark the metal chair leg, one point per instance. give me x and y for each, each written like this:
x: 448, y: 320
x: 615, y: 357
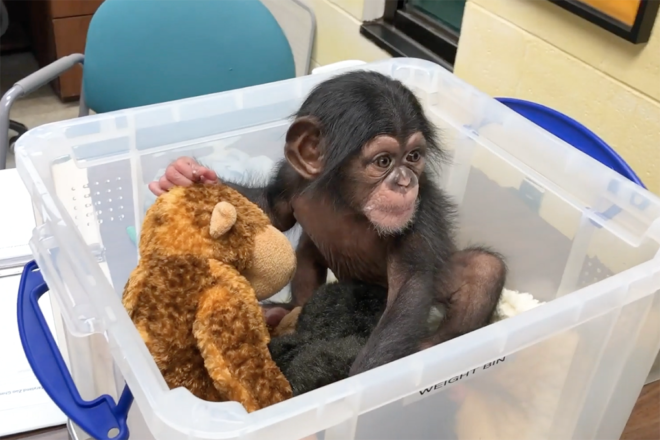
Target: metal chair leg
x: 20, y: 130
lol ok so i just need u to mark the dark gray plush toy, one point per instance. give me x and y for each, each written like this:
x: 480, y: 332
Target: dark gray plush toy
x: 332, y: 328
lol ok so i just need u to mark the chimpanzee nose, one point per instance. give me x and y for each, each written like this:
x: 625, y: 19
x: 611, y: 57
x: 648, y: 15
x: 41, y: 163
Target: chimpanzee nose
x: 402, y: 179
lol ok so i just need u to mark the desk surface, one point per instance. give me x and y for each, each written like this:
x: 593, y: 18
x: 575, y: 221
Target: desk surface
x: 55, y: 433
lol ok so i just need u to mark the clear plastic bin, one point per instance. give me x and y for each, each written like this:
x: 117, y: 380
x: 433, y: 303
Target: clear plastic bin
x: 575, y: 234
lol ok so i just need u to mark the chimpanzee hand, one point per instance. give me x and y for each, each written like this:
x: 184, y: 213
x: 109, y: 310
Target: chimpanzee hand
x: 182, y: 172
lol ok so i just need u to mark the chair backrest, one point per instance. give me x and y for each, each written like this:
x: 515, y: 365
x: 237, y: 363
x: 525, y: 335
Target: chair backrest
x: 298, y: 21
x: 572, y: 132
x: 141, y: 52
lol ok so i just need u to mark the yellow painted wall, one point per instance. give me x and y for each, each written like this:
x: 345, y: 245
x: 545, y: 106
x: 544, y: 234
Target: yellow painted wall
x: 338, y: 33
x: 535, y: 50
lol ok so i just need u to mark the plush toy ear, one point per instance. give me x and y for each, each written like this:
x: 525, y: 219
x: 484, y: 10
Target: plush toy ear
x: 222, y: 219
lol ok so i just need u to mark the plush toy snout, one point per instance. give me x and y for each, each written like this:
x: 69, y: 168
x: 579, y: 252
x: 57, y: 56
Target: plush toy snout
x: 273, y: 263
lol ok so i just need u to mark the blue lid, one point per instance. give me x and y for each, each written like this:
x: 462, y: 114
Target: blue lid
x: 572, y: 132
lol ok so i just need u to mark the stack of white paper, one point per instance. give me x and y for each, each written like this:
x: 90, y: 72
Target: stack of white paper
x: 24, y: 405
x: 16, y: 220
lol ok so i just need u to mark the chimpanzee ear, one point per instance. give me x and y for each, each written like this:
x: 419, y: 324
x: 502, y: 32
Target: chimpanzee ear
x: 302, y: 148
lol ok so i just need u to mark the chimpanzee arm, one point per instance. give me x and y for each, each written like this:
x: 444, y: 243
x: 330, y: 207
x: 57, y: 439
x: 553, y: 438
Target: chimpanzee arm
x: 274, y: 198
x: 311, y: 273
x: 418, y: 270
x: 411, y: 292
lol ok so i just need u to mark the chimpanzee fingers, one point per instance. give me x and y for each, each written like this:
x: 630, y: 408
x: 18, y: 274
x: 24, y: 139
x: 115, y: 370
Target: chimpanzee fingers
x: 154, y: 187
x: 184, y: 166
x: 164, y: 184
x: 176, y: 178
x: 204, y: 174
x: 192, y: 171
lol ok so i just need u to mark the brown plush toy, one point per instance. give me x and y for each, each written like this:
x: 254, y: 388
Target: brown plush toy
x: 207, y: 255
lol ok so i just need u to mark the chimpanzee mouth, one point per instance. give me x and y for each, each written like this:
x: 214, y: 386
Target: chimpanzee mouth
x: 393, y: 206
x: 397, y: 209
x: 388, y: 219
x: 394, y: 209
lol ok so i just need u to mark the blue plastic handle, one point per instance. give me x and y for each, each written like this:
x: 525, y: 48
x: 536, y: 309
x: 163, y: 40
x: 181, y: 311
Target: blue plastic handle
x: 101, y: 418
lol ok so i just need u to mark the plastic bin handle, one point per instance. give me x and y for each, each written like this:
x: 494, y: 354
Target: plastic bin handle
x: 101, y: 418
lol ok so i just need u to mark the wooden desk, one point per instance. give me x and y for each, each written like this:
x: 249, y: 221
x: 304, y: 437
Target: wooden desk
x: 644, y: 422
x: 59, y: 28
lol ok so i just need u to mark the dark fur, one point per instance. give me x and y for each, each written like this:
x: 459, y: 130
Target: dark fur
x: 356, y: 107
x: 332, y: 328
x: 418, y: 265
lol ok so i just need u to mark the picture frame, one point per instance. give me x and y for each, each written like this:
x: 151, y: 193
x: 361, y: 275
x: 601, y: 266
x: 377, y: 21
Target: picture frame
x: 617, y: 16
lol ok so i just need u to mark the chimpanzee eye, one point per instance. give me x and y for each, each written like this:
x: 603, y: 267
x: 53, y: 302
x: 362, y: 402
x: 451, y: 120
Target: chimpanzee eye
x: 414, y: 156
x: 383, y: 161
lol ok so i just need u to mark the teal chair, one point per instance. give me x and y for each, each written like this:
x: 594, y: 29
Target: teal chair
x: 145, y: 52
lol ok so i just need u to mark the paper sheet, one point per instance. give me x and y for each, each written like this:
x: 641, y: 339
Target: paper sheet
x: 24, y: 405
x: 16, y: 218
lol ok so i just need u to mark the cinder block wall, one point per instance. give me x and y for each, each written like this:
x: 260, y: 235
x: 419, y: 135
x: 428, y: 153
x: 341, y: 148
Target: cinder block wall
x: 338, y: 31
x: 532, y: 49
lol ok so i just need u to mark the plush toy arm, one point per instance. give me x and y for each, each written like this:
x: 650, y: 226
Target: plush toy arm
x: 132, y: 289
x: 232, y: 337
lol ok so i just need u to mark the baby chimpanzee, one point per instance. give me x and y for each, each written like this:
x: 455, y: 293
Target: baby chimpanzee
x: 359, y: 176
x: 333, y: 326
